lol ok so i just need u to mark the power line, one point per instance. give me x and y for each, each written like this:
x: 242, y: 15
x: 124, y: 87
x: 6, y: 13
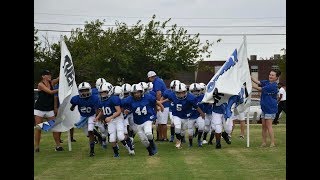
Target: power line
x: 110, y: 25
x: 136, y: 17
x: 250, y: 34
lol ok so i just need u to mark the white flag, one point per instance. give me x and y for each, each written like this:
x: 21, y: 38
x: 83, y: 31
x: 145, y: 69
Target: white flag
x: 231, y: 85
x: 66, y: 118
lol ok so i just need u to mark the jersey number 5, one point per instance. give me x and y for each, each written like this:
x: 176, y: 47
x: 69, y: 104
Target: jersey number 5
x: 179, y: 107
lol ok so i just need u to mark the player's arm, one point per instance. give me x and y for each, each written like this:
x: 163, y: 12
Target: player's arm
x: 159, y: 95
x: 114, y: 115
x: 201, y: 112
x: 72, y: 107
x: 160, y: 105
x: 163, y: 100
x: 98, y: 117
x: 44, y: 88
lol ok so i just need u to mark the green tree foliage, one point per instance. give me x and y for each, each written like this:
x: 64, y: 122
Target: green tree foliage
x: 282, y: 64
x: 127, y: 53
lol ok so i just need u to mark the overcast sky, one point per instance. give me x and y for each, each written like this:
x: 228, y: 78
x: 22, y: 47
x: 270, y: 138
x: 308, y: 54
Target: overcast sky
x: 183, y: 13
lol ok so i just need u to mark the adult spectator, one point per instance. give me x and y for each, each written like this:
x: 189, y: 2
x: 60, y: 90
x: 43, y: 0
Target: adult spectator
x: 282, y: 97
x: 44, y: 107
x: 268, y: 102
x: 159, y: 88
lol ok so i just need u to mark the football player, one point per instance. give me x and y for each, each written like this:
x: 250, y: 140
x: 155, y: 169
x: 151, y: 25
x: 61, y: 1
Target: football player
x: 111, y: 111
x: 142, y: 105
x: 87, y: 107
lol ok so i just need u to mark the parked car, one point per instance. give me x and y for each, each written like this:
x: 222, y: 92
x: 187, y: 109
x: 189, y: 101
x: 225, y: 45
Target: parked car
x: 255, y: 110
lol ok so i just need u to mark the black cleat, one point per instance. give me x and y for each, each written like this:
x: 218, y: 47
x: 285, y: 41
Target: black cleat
x: 210, y: 142
x: 59, y: 148
x: 91, y: 154
x: 73, y: 140
x: 218, y: 146
x: 226, y: 137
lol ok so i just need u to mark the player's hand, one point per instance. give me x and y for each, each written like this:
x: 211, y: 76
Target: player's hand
x: 126, y: 111
x: 108, y: 119
x: 203, y: 116
x: 161, y: 108
x: 71, y: 108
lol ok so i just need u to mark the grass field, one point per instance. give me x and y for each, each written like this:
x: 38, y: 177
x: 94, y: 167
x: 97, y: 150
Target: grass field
x: 234, y: 161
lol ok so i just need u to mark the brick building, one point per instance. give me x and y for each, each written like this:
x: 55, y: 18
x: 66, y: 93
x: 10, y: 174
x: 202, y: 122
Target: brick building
x: 259, y: 69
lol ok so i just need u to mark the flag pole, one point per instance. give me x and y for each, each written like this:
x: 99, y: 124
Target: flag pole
x: 248, y: 128
x: 248, y: 122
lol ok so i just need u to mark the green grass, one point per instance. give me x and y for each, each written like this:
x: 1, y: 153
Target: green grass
x: 234, y: 161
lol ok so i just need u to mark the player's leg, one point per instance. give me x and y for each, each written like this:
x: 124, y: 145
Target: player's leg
x: 177, y: 129
x: 227, y: 126
x: 147, y: 128
x: 200, y: 123
x: 217, y: 121
x: 191, y: 123
x: 207, y: 124
x: 171, y: 127
x: 91, y: 135
x: 112, y: 129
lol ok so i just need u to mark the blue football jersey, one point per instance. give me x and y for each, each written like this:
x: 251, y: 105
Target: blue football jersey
x: 221, y: 109
x: 95, y: 92
x: 86, y: 106
x: 195, y: 114
x: 143, y: 109
x: 108, y: 105
x: 166, y: 95
x: 153, y: 93
x: 183, y: 108
x: 207, y: 108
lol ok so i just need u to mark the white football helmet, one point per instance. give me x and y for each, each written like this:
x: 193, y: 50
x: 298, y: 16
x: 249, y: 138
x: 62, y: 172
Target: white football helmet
x: 136, y: 88
x: 203, y: 87
x: 99, y: 82
x: 150, y: 86
x: 126, y: 89
x: 117, y: 90
x: 181, y: 91
x: 173, y: 84
x: 84, y: 89
x: 195, y: 89
x: 105, y: 90
x: 144, y: 86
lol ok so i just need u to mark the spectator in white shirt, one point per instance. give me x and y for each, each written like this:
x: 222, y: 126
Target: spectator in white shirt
x: 281, y: 102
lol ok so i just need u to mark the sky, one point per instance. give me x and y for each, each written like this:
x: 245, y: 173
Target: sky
x: 264, y: 21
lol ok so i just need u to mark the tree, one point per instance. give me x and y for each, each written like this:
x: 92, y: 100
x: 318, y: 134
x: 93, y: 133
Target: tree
x: 282, y: 64
x: 36, y: 45
x: 128, y: 53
